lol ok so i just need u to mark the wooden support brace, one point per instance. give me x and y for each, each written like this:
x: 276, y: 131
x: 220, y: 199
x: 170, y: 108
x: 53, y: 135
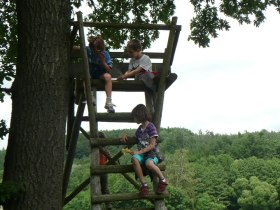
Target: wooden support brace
x: 125, y: 197
x: 105, y: 169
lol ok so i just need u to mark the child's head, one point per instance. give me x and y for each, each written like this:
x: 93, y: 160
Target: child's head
x: 101, y: 134
x: 134, y: 48
x: 96, y: 43
x: 141, y: 114
x: 134, y: 45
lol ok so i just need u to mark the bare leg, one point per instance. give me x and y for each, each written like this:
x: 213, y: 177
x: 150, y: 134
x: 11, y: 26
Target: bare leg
x: 108, y: 84
x: 152, y: 167
x: 138, y: 170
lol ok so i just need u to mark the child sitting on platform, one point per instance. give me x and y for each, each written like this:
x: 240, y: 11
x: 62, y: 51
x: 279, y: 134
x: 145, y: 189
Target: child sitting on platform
x: 140, y: 65
x: 146, y: 136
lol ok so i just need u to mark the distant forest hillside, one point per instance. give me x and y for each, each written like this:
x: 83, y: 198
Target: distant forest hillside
x: 206, y: 171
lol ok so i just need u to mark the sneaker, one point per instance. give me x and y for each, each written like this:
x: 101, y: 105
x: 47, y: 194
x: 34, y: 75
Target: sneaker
x: 144, y: 191
x: 161, y: 187
x: 110, y: 107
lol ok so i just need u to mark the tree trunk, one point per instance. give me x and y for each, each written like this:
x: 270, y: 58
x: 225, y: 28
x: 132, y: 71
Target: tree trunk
x: 35, y: 151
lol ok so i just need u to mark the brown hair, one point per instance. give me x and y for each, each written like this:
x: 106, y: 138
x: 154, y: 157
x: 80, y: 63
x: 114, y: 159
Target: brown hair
x: 134, y: 45
x: 141, y: 113
x: 101, y: 134
x: 96, y: 42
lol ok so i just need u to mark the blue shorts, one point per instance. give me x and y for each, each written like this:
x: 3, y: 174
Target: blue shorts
x: 141, y: 159
x: 97, y: 74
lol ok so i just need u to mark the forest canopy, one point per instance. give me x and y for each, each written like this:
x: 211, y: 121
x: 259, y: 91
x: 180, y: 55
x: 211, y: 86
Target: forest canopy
x: 205, y: 170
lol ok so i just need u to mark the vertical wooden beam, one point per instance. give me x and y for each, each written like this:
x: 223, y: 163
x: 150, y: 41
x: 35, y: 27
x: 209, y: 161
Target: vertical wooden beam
x: 149, y: 101
x: 177, y: 34
x: 94, y: 179
x: 70, y: 117
x: 71, y: 110
x: 163, y: 75
x: 72, y: 146
x: 159, y: 204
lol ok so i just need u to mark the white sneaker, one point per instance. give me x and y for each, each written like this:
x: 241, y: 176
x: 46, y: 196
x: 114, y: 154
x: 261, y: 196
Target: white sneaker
x: 110, y: 107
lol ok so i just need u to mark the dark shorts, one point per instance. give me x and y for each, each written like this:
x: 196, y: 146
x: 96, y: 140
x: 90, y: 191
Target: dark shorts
x: 97, y: 74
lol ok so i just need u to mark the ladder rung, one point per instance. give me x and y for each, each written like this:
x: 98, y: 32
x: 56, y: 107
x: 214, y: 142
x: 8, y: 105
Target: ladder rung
x: 121, y: 85
x: 105, y: 169
x: 111, y: 141
x: 112, y: 117
x: 125, y: 197
x: 95, y: 142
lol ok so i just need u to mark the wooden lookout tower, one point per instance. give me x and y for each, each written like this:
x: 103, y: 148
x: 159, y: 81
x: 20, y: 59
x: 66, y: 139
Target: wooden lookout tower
x: 79, y: 70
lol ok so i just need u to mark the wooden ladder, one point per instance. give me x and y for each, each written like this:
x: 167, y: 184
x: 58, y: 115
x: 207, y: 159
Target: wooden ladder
x: 79, y: 71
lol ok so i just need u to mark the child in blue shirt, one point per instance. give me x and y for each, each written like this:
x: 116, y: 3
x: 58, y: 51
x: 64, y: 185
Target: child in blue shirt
x: 100, y: 64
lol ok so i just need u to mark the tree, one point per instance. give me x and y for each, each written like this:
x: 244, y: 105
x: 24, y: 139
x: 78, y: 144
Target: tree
x: 181, y: 175
x: 207, y: 202
x: 255, y: 194
x: 207, y: 21
x: 39, y: 95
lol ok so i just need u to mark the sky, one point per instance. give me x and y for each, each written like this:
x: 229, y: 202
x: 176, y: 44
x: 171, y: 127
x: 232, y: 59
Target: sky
x: 232, y: 86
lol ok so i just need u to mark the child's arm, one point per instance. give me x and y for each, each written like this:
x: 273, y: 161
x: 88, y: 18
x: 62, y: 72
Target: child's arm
x: 148, y: 148
x: 103, y: 61
x: 124, y: 138
x: 130, y: 73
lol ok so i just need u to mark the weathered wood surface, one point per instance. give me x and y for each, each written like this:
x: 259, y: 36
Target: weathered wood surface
x: 76, y: 69
x: 127, y: 25
x: 115, y: 141
x: 112, y: 117
x: 106, y: 169
x: 120, y: 54
x: 125, y: 197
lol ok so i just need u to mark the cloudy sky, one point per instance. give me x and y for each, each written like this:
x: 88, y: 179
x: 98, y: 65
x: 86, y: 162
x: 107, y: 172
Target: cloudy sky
x: 232, y: 86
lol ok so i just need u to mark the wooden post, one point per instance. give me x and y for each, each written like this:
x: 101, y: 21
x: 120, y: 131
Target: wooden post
x: 149, y: 101
x: 71, y: 110
x: 159, y: 204
x: 72, y: 146
x: 163, y: 75
x: 94, y: 180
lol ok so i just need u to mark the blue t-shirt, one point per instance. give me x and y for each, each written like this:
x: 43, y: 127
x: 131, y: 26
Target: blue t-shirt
x: 143, y: 139
x: 95, y: 66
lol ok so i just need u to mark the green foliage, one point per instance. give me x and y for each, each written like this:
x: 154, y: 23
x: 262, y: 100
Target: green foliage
x: 178, y: 164
x: 265, y: 170
x: 143, y: 12
x: 82, y: 201
x: 204, y: 170
x: 10, y: 191
x: 177, y: 200
x: 212, y: 176
x: 207, y: 202
x: 207, y: 21
x: 3, y: 129
x: 8, y: 42
x: 261, y: 144
x: 255, y: 194
x: 205, y: 24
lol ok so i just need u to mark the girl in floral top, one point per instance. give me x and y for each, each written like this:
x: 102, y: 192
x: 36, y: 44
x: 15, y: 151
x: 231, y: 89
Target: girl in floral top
x: 146, y: 136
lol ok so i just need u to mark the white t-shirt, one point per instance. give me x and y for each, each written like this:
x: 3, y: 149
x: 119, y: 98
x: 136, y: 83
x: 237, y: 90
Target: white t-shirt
x: 144, y: 62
